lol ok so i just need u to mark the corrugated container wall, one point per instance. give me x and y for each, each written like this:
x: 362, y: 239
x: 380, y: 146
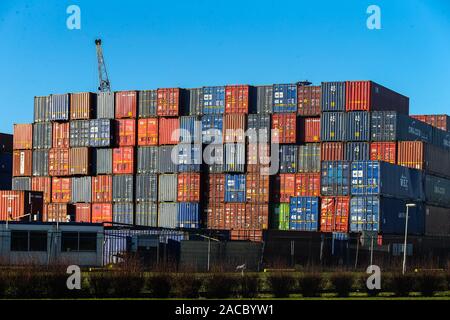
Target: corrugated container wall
x: 101, y: 212
x: 59, y: 107
x: 61, y: 190
x: 283, y: 187
x: 169, y: 102
x: 168, y: 130
x: 195, y: 101
x: 43, y: 184
x: 167, y: 164
x: 167, y: 188
x: 333, y: 96
x: 146, y: 214
x: 285, y: 125
x: 212, y: 126
x: 437, y: 191
x: 58, y: 162
x: 83, y: 212
x: 147, y: 159
x: 285, y: 98
x: 21, y: 183
x: 234, y: 157
x: 61, y: 135
x: 257, y: 188
x: 40, y: 163
x: 61, y: 212
x: 123, y: 188
x: 105, y: 105
x: 126, y: 132
x: 384, y: 151
x: 126, y: 104
x: 123, y: 213
x: 147, y: 132
x: 102, y: 188
x: 79, y: 133
x: 189, y: 157
x: 280, y: 216
x: 81, y: 189
x: 334, y: 214
x: 79, y: 161
x: 42, y: 135
x: 101, y: 133
x: 23, y: 136
x: 235, y: 186
x: 188, y: 215
x: 123, y: 160
x: 103, y: 161
x: 332, y: 151
x: 437, y: 221
x: 309, y: 100
x: 357, y: 126
x: 83, y: 105
x: 215, y: 191
x: 168, y: 215
x: 41, y: 109
x: 304, y: 213
x: 439, y: 121
x: 147, y: 103
x: 335, y: 179
x: 264, y: 99
x: 146, y: 188
x: 190, y: 129
x: 259, y: 126
x: 234, y: 126
x: 214, y: 100
x: 14, y: 205
x: 307, y: 184
x: 288, y: 158
x: 22, y: 163
x: 309, y: 130
x: 237, y: 99
x: 333, y: 126
x: 309, y: 158
x: 357, y: 151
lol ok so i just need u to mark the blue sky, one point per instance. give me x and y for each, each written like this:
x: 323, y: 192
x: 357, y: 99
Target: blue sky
x: 150, y: 44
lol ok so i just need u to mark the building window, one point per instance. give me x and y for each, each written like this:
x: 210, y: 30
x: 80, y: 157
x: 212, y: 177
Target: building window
x: 78, y: 241
x: 28, y: 241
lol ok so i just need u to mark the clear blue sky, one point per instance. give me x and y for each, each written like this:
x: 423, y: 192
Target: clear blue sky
x: 150, y: 44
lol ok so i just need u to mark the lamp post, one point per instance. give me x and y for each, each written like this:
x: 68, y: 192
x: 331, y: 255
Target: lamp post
x: 408, y: 205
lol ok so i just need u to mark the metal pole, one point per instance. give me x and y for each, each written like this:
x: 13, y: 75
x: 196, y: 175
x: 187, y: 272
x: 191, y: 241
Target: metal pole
x: 406, y: 235
x: 371, y: 251
x: 209, y: 252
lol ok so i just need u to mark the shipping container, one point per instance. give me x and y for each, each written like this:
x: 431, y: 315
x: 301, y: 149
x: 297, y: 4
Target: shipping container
x: 168, y: 160
x: 215, y: 213
x: 215, y: 191
x: 246, y: 235
x: 357, y: 151
x: 385, y: 215
x: 147, y: 103
x: 23, y: 136
x: 190, y: 129
x: 6, y: 160
x: 234, y: 157
x: 288, y: 158
x: 146, y: 214
x: 59, y: 212
x: 308, y: 98
x: 235, y: 186
x: 384, y: 151
x: 20, y: 205
x: 169, y: 102
x: 264, y: 99
x: 335, y: 179
x: 188, y: 215
x: 235, y: 216
x: 169, y: 130
x: 333, y: 126
x: 214, y: 100
x: 195, y: 101
x: 332, y: 151
x: 22, y: 184
x: 125, y: 132
x: 123, y: 160
x: 5, y: 181
x: 333, y: 96
x: 285, y: 127
x: 258, y: 158
x: 257, y: 216
x: 188, y: 187
x: 213, y: 156
x: 59, y: 107
x: 385, y: 179
x: 79, y: 161
x: 237, y: 99
x: 437, y: 191
x: 167, y: 188
x: 441, y: 138
x: 61, y: 135
x: 234, y: 126
x: 357, y: 126
x: 307, y: 184
x: 370, y: 96
x: 22, y: 163
x: 280, y: 216
x: 309, y: 158
x: 437, y: 221
x: 189, y: 157
x: 79, y: 133
x: 147, y: 159
x: 61, y: 190
x: 41, y: 109
x: 392, y: 126
x: 309, y: 130
x: 83, y: 212
x: 285, y: 98
x: 283, y: 187
x: 123, y: 213
x: 168, y: 215
x: 101, y: 133
x: 83, y: 105
x: 126, y: 103
x: 43, y: 184
x: 42, y: 135
x: 103, y: 161
x: 102, y: 188
x: 6, y: 142
x: 102, y: 212
x: 304, y: 213
x: 257, y: 188
x: 105, y: 105
x: 259, y: 126
x: 147, y: 132
x: 123, y: 188
x: 439, y: 121
x: 40, y: 163
x: 334, y: 214
x: 212, y: 127
x: 146, y: 188
x: 81, y: 189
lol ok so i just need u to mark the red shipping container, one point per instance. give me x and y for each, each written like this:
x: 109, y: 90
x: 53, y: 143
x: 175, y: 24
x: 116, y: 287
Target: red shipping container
x: 234, y: 126
x: 101, y: 213
x: 284, y: 187
x: 216, y: 216
x: 334, y: 214
x: 168, y: 102
x: 61, y: 212
x: 82, y: 105
x: 440, y: 121
x: 79, y: 161
x: 258, y: 158
x: 332, y: 151
x: 216, y: 187
x: 308, y: 100
x: 384, y: 151
x: 148, y: 132
x: 102, y: 189
x: 61, y: 134
x: 310, y: 130
x: 126, y: 102
x: 123, y: 160
x: 168, y: 131
x: 23, y: 136
x: 18, y: 205
x: 235, y: 216
x: 188, y: 187
x: 307, y: 184
x: 286, y: 124
x: 257, y: 188
x: 61, y: 190
x: 58, y: 162
x: 22, y: 163
x: 236, y: 99
x: 126, y: 132
x: 83, y: 212
x: 43, y: 184
x: 246, y: 235
x: 257, y: 216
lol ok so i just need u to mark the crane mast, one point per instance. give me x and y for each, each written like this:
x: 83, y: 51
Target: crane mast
x: 104, y: 84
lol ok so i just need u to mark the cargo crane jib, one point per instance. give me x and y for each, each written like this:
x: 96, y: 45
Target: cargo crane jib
x: 104, y: 84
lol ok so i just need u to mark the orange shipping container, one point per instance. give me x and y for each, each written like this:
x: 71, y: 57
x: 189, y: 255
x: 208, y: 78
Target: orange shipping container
x: 257, y: 188
x: 257, y: 216
x: 246, y: 235
x: 168, y: 131
x: 236, y: 99
x: 334, y: 213
x: 83, y: 212
x: 215, y: 212
x: 61, y: 190
x: 310, y: 130
x: 123, y: 160
x: 424, y: 156
x: 384, y: 151
x: 61, y: 212
x: 58, y: 162
x: 126, y: 102
x: 332, y: 151
x: 79, y: 160
x: 43, y: 184
x: 23, y: 136
x: 126, y: 132
x: 234, y: 126
x: 22, y: 163
x: 308, y: 98
x: 307, y: 184
x: 284, y: 187
x: 440, y: 121
x: 148, y: 132
x: 258, y: 158
x: 168, y: 102
x: 216, y: 187
x: 101, y: 212
x: 235, y: 216
x: 82, y: 105
x: 18, y: 205
x: 61, y: 134
x: 188, y: 187
x: 285, y: 125
x: 102, y: 189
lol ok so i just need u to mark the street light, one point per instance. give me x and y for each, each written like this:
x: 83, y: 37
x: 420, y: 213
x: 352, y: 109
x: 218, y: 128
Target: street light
x: 408, y: 205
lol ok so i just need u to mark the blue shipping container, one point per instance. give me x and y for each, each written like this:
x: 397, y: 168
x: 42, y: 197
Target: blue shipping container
x: 333, y: 126
x: 357, y: 151
x: 441, y: 138
x: 333, y: 96
x: 386, y: 179
x: 235, y: 188
x: 335, y: 178
x: 213, y: 100
x: 304, y: 213
x: 101, y: 133
x: 288, y: 158
x: 358, y: 126
x: 189, y: 157
x: 189, y: 215
x: 190, y: 129
x: 284, y: 98
x: 385, y: 215
x: 212, y: 126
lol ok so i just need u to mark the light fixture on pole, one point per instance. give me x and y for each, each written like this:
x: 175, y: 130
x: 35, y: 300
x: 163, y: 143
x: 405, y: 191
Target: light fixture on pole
x: 408, y: 205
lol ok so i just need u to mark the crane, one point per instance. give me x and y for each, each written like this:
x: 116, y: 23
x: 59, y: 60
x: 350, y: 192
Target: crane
x: 104, y: 84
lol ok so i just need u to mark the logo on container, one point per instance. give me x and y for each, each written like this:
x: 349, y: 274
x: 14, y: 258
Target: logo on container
x: 439, y: 190
x: 404, y: 182
x: 415, y: 131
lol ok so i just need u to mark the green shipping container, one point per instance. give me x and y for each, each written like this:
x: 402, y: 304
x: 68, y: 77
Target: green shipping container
x: 280, y: 216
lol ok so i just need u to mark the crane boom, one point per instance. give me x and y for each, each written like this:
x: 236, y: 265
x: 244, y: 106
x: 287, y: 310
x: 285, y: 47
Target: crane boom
x: 104, y: 84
